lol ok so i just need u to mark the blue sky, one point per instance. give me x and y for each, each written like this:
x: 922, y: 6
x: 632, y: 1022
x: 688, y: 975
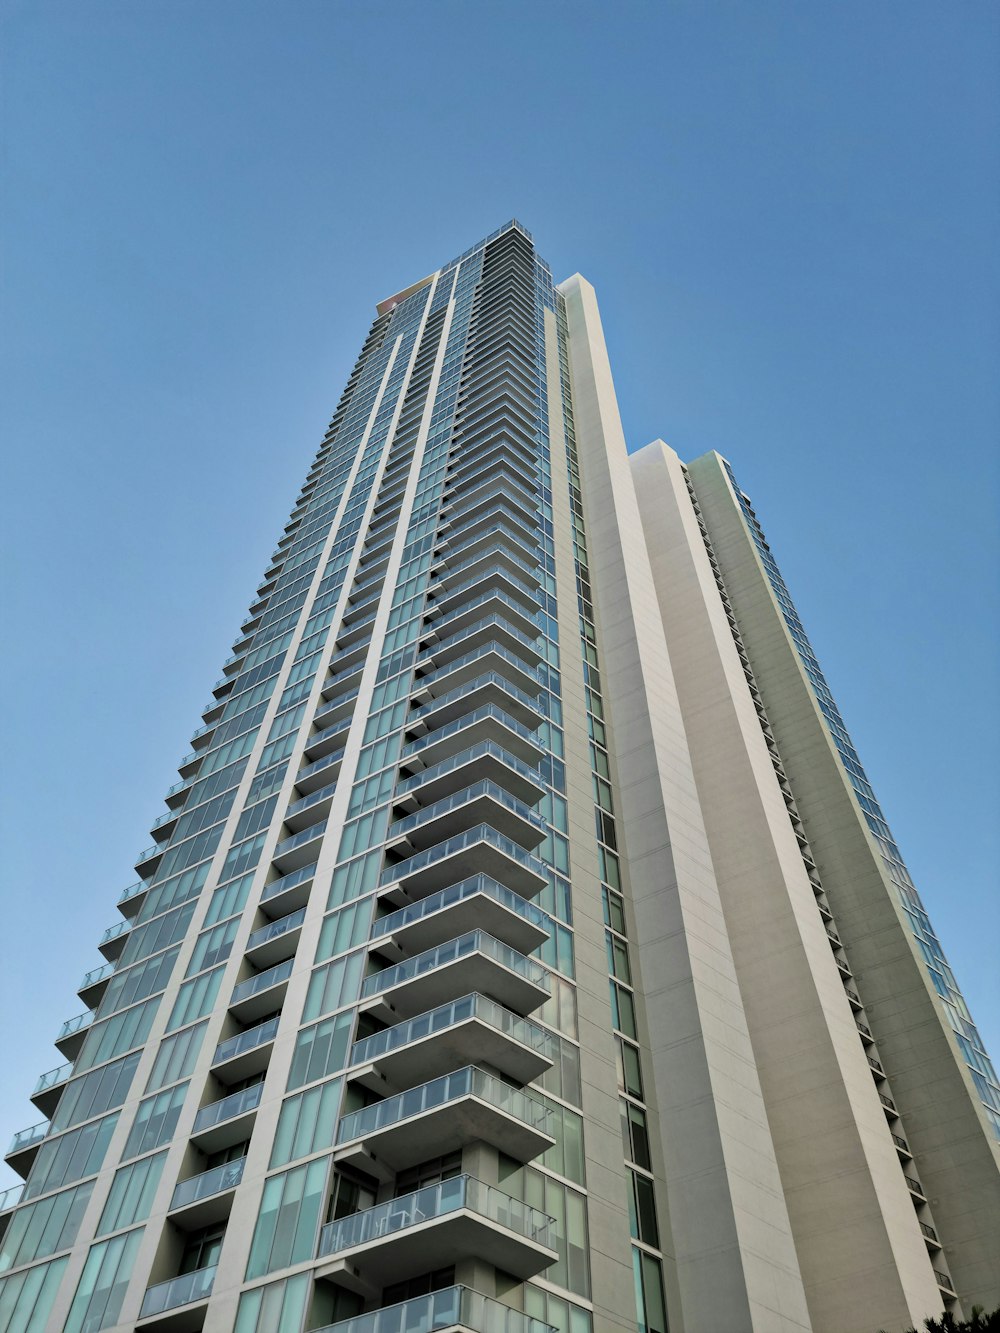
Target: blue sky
x: 790, y: 214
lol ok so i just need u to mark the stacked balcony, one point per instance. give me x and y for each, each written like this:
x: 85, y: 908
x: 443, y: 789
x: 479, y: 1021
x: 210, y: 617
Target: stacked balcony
x: 446, y: 1044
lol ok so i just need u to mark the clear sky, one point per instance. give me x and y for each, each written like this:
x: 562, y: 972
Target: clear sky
x: 789, y: 210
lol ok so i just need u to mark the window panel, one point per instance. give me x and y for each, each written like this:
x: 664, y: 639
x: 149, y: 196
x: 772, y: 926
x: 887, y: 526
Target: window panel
x: 307, y: 1123
x: 155, y: 1121
x: 131, y: 1195
x: 289, y: 1219
x: 321, y: 1050
x: 103, y: 1283
x: 94, y: 1093
x: 176, y: 1057
x: 26, y: 1299
x: 70, y: 1157
x: 43, y: 1228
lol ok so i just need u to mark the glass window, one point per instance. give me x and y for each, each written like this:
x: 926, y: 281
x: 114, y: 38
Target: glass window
x: 550, y: 1309
x: 94, y: 1093
x: 131, y: 1195
x: 176, y: 1057
x: 116, y: 1035
x: 321, y: 1050
x: 572, y: 1269
x: 629, y: 1071
x: 289, y: 1218
x: 103, y: 1282
x: 566, y: 1127
x: 70, y: 1157
x: 345, y: 929
x: 307, y: 1123
x: 635, y: 1135
x: 334, y: 985
x: 213, y: 946
x: 651, y: 1307
x: 277, y: 1308
x: 195, y: 999
x: 43, y: 1228
x: 26, y: 1299
x: 146, y: 978
x: 642, y: 1209
x: 155, y: 1121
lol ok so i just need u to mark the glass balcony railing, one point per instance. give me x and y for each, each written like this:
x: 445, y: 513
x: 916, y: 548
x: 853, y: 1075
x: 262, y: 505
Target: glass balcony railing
x: 459, y: 566
x: 443, y: 1309
x: 386, y: 1219
x: 95, y: 975
x: 472, y: 687
x: 487, y: 712
x: 314, y: 798
x: 274, y: 929
x: 24, y: 1138
x: 317, y: 766
x: 238, y: 1103
x: 334, y: 705
x: 274, y: 976
x: 496, y: 623
x: 456, y: 618
x: 184, y: 1290
x: 481, y: 750
x: 132, y: 891
x: 484, y: 789
x: 492, y: 648
x: 73, y: 1025
x: 446, y: 1016
x: 467, y: 1082
x: 457, y: 893
x: 112, y: 932
x: 328, y: 733
x: 220, y: 1178
x: 467, y: 525
x: 309, y: 834
x: 245, y: 1041
x: 53, y: 1078
x: 475, y: 941
x: 179, y: 786
x: 496, y: 531
x: 11, y: 1198
x: 289, y: 881
x: 490, y: 572
x: 441, y: 851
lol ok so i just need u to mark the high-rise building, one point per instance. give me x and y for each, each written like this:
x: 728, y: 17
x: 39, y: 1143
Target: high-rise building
x: 522, y: 947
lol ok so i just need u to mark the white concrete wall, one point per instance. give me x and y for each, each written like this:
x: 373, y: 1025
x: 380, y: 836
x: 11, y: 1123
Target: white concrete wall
x: 730, y: 1238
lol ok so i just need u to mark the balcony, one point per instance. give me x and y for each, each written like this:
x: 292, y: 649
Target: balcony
x: 486, y: 761
x: 339, y: 680
x: 455, y: 968
x: 944, y: 1282
x: 327, y: 741
x: 147, y: 861
x: 94, y: 984
x: 440, y: 1117
x: 131, y: 899
x: 72, y: 1035
x: 224, y: 1123
x: 9, y: 1200
x: 494, y: 627
x: 49, y: 1088
x: 463, y: 506
x: 450, y: 574
x: 277, y: 941
x: 474, y: 610
x: 489, y: 722
x: 468, y: 1029
x: 495, y: 577
x: 916, y: 1189
x: 247, y: 1053
x: 464, y: 529
x: 177, y: 794
x: 24, y: 1147
x: 300, y: 849
x: 452, y: 551
x: 174, y: 1306
x: 478, y: 902
x: 480, y: 849
x: 289, y: 892
x: 338, y: 709
x: 204, y: 1199
x: 261, y: 994
x: 439, y: 1225
x: 481, y: 803
x: 452, y: 1310
x: 316, y: 774
x: 164, y: 826
x: 930, y: 1236
x: 360, y: 630
x: 489, y: 687
x: 311, y: 808
x: 488, y: 656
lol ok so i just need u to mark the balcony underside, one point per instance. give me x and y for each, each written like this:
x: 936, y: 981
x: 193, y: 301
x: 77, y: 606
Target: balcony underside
x: 480, y: 911
x: 467, y: 1042
x: 439, y: 1131
x: 437, y: 1243
x: 475, y: 971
